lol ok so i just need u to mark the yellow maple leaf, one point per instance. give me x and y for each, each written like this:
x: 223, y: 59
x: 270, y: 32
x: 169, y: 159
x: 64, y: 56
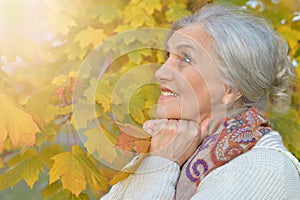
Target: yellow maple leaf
x: 15, y: 123
x: 176, y: 11
x: 90, y: 36
x: 150, y: 6
x: 76, y: 170
x: 69, y: 169
x: 58, y: 19
x: 59, y: 80
x: 93, y: 176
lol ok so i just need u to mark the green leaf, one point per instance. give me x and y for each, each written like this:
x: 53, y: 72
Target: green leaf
x: 27, y: 169
x: 46, y: 135
x: 48, y: 152
x: 103, y: 92
x: 176, y: 11
x: 135, y: 57
x: 55, y: 191
x: 40, y: 101
x: 20, y: 157
x: 288, y: 125
x: 82, y: 196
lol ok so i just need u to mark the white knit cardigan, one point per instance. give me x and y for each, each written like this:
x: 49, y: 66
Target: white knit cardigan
x: 267, y: 171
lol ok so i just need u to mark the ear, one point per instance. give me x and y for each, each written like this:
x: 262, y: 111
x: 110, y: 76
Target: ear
x: 230, y: 95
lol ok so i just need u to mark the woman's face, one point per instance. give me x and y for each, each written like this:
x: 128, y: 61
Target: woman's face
x: 190, y: 83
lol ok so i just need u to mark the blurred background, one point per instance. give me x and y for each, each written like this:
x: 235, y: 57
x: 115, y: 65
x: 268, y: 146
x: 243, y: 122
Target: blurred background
x: 43, y: 44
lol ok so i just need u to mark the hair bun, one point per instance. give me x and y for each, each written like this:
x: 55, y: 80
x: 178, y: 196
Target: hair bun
x: 281, y: 89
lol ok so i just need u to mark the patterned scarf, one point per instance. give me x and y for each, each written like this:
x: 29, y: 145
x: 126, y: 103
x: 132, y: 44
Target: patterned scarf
x: 237, y: 135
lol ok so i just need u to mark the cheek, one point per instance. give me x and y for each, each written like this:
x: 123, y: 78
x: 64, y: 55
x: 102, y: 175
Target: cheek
x: 209, y: 88
x: 200, y: 89
x: 203, y: 95
x: 203, y: 98
x: 169, y: 109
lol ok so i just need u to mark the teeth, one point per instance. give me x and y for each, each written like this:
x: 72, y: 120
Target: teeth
x: 168, y: 93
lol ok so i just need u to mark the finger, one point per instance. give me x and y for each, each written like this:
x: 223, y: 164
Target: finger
x: 160, y: 124
x: 204, y: 126
x: 172, y: 126
x: 194, y: 129
x: 182, y: 125
x: 149, y: 126
x: 193, y: 125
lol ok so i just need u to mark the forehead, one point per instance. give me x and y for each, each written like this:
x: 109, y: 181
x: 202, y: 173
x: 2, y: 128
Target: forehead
x: 191, y: 35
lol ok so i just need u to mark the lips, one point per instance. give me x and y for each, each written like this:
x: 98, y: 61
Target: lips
x: 166, y: 93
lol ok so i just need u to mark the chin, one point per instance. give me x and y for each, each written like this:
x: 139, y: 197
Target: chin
x: 163, y: 113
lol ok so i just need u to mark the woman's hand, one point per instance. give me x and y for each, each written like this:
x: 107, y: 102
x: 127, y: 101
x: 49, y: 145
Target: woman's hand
x: 175, y: 140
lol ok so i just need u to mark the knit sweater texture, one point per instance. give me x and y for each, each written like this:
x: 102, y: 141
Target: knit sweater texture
x: 267, y: 171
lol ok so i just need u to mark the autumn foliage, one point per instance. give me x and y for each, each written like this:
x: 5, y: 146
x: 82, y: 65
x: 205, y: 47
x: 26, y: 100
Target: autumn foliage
x: 70, y: 119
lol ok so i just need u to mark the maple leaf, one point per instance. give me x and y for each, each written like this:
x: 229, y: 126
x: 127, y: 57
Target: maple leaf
x: 28, y: 170
x: 100, y: 144
x: 135, y: 15
x: 90, y: 36
x: 126, y: 143
x: 291, y: 34
x: 15, y: 123
x: 132, y: 139
x: 58, y: 20
x: 83, y: 112
x: 27, y: 166
x: 150, y: 6
x: 176, y: 10
x: 39, y: 102
x: 47, y: 134
x: 75, y: 171
x: 74, y: 51
x: 289, y: 125
x: 108, y: 13
x: 135, y: 57
x: 93, y: 176
x: 69, y: 169
x: 59, y: 36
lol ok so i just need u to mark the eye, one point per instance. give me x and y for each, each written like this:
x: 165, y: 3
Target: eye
x: 185, y: 58
x: 167, y: 54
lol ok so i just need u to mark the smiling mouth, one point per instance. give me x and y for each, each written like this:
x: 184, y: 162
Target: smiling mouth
x: 168, y: 93
x: 165, y: 92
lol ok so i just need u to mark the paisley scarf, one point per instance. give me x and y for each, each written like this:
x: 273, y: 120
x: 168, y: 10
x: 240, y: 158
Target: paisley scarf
x: 234, y: 137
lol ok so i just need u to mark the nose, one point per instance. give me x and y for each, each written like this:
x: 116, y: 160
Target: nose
x: 165, y: 72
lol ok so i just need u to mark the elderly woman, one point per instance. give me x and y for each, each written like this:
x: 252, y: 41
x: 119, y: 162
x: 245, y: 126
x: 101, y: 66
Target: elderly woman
x: 212, y: 141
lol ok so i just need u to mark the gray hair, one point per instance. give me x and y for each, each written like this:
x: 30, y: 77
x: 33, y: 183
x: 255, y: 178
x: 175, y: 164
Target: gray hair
x: 253, y: 58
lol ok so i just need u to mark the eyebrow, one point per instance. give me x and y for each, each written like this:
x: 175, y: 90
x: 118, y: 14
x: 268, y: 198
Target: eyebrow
x: 182, y: 46
x: 185, y: 46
